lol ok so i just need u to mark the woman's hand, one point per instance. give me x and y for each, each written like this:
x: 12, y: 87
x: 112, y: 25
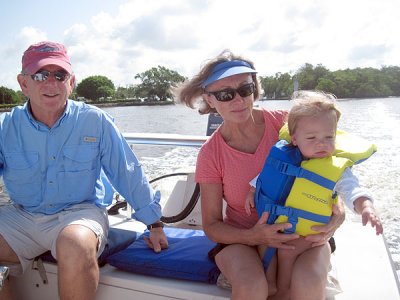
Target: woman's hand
x: 327, y: 231
x: 271, y: 234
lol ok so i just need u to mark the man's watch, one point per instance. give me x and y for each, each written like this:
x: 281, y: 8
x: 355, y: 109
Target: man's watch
x: 157, y: 224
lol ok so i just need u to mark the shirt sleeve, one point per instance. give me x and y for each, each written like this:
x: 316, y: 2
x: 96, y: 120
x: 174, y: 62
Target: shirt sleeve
x: 349, y: 189
x: 127, y: 176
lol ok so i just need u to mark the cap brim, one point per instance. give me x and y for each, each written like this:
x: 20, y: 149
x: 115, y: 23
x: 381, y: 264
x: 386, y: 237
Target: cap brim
x: 221, y: 74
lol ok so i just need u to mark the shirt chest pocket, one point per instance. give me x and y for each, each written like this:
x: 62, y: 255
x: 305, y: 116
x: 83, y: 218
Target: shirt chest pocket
x: 80, y: 158
x: 77, y: 179
x: 23, y: 177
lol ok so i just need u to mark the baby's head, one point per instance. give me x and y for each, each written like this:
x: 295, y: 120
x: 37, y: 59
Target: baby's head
x: 312, y: 123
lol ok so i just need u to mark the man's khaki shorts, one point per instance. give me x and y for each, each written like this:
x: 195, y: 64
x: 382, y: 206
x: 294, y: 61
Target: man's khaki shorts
x: 30, y: 235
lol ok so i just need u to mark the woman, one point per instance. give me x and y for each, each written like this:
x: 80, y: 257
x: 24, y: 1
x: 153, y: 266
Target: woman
x: 234, y: 155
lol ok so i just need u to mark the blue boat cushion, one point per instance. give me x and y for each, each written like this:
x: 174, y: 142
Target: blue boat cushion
x: 186, y: 257
x: 118, y: 239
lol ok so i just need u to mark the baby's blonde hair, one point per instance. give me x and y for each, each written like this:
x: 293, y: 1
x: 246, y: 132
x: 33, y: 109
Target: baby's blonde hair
x: 309, y: 104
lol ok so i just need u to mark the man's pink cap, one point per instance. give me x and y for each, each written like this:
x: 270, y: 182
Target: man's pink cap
x: 45, y: 53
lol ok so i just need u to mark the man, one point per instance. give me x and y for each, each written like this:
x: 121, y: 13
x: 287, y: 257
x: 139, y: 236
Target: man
x: 53, y: 152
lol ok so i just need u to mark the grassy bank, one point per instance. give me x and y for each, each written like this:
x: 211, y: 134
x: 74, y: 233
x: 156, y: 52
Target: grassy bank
x: 8, y: 107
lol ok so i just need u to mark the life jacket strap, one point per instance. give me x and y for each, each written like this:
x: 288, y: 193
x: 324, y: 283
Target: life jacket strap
x: 299, y: 172
x: 293, y: 215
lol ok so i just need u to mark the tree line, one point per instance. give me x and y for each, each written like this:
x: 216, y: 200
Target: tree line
x: 155, y: 85
x: 348, y: 83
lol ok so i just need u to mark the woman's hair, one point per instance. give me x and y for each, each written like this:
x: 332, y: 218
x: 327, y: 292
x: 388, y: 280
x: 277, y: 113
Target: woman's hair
x: 190, y: 92
x: 309, y: 104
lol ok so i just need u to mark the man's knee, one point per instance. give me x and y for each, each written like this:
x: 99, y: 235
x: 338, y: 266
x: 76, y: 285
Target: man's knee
x: 77, y: 243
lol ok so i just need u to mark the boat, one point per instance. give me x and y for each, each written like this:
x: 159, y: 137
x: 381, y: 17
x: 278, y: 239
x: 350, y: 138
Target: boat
x: 362, y: 265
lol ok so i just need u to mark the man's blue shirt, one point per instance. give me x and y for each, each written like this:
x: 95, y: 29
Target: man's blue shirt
x: 48, y: 169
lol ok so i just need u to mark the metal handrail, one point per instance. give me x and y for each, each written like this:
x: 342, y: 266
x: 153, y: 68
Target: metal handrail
x: 167, y: 139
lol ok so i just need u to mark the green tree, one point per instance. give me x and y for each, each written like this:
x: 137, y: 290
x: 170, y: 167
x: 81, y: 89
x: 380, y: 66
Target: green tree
x: 156, y: 84
x: 126, y: 93
x: 326, y: 85
x: 278, y: 86
x: 21, y: 97
x: 306, y: 77
x: 391, y: 76
x: 309, y: 76
x: 95, y: 87
x: 8, y: 96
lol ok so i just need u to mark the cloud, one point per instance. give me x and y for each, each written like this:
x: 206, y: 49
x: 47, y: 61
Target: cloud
x: 279, y: 36
x: 364, y: 54
x: 12, y: 53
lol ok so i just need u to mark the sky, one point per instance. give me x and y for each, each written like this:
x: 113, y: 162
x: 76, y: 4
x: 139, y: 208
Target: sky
x: 121, y: 38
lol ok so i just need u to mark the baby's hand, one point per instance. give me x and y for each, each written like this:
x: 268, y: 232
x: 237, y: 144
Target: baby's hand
x: 368, y: 215
x: 249, y: 203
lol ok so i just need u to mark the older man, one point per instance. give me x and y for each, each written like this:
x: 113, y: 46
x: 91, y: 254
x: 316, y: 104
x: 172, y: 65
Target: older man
x: 52, y: 152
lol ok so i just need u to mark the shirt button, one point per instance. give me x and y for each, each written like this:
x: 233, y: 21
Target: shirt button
x: 52, y: 157
x: 50, y: 182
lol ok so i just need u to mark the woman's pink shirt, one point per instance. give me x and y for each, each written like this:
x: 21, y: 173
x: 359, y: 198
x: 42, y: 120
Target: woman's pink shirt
x: 217, y: 162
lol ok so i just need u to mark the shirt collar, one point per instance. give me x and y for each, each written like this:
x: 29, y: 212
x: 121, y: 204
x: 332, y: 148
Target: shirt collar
x: 39, y: 125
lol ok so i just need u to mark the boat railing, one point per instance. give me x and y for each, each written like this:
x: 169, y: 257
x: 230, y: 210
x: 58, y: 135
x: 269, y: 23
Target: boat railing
x: 167, y: 139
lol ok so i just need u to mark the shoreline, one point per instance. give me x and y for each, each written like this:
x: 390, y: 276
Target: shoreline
x: 111, y: 104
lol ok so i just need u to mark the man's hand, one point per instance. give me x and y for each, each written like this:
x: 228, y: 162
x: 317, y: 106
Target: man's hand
x: 157, y: 239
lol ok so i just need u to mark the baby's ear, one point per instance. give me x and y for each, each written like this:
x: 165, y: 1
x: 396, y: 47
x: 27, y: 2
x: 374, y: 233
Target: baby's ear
x: 294, y: 141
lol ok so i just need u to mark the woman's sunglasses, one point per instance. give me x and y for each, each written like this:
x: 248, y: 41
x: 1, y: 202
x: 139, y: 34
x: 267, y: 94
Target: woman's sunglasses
x: 43, y: 75
x: 229, y: 94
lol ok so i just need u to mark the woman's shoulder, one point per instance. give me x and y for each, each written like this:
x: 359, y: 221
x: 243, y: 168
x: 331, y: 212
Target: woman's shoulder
x: 212, y: 142
x: 268, y: 116
x: 274, y: 113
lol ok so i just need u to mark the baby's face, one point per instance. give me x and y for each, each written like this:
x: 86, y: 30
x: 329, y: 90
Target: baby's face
x: 315, y: 136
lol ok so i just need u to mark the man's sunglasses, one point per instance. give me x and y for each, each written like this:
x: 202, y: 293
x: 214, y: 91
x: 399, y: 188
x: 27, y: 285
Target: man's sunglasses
x: 43, y: 75
x: 229, y: 94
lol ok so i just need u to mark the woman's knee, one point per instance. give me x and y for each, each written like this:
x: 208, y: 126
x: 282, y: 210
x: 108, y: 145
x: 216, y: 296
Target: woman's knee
x: 250, y: 287
x: 243, y: 268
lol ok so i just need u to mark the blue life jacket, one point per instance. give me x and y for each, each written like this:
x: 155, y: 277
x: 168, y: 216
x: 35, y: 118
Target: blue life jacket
x: 282, y: 167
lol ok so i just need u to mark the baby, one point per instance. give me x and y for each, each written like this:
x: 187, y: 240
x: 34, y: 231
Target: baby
x: 312, y: 124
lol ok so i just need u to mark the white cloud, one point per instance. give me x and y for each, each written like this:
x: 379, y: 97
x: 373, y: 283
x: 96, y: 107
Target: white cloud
x: 279, y: 36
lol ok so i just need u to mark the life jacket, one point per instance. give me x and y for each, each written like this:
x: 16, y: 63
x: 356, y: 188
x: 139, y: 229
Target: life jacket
x: 307, y: 195
x: 301, y: 192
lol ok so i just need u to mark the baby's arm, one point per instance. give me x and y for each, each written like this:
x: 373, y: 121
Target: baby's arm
x: 358, y: 199
x: 365, y: 208
x: 249, y: 202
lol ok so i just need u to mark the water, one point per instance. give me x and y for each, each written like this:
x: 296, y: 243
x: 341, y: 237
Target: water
x: 377, y: 120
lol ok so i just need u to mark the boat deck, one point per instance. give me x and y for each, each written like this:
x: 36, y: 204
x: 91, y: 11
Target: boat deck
x: 364, y: 270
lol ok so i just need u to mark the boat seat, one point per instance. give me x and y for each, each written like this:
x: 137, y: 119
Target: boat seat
x: 118, y: 239
x: 186, y: 257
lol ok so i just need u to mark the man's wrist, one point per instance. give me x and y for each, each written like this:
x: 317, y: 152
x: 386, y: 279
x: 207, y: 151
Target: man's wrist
x: 157, y: 224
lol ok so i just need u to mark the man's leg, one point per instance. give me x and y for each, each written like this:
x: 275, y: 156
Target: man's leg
x: 78, y: 271
x: 7, y: 256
